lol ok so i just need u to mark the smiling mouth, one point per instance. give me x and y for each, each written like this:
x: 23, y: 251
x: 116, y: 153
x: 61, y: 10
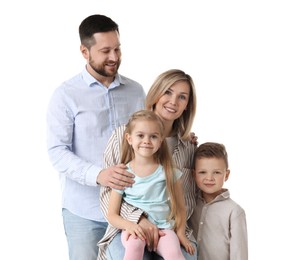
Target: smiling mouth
x: 209, y: 184
x: 171, y: 110
x: 111, y: 64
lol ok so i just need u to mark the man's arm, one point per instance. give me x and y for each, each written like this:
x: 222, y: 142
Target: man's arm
x: 60, y: 127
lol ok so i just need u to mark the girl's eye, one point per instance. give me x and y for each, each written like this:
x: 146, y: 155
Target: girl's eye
x: 168, y: 92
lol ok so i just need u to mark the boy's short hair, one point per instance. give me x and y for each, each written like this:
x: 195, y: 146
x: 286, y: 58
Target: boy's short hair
x: 211, y: 150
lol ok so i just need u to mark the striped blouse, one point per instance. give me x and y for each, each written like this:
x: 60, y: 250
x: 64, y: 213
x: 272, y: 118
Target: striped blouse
x: 183, y: 157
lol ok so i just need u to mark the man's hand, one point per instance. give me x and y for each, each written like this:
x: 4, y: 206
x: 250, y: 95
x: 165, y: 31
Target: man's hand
x: 152, y: 233
x: 116, y: 177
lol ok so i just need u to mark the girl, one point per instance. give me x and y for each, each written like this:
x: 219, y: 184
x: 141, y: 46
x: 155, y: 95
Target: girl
x: 157, y: 190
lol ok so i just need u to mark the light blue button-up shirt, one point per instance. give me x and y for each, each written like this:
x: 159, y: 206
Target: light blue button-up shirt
x: 81, y: 116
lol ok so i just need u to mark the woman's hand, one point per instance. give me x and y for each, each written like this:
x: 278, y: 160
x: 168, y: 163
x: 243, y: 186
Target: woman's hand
x: 194, y: 138
x: 152, y: 233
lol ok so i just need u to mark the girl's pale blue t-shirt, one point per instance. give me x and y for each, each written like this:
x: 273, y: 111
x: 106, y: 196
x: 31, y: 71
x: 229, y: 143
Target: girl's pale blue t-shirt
x: 150, y: 194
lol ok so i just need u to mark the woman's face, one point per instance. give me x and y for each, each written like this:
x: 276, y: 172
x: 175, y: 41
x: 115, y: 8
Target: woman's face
x: 174, y: 101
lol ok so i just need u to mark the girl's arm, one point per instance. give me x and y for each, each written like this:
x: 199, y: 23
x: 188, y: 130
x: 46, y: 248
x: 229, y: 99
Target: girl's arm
x: 181, y: 229
x: 114, y: 218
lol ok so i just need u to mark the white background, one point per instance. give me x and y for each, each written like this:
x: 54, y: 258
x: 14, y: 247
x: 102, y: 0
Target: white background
x: 237, y: 53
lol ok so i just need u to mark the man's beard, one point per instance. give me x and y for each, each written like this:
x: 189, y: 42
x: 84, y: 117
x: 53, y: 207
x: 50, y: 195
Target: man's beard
x: 101, y: 69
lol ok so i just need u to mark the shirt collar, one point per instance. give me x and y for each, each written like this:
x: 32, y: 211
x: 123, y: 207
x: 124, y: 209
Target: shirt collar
x: 91, y: 81
x: 223, y: 196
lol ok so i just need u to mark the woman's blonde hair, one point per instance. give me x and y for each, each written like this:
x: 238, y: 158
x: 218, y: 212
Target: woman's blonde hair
x: 162, y: 156
x: 162, y: 83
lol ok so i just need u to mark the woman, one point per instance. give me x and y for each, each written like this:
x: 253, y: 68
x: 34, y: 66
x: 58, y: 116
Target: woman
x: 173, y: 98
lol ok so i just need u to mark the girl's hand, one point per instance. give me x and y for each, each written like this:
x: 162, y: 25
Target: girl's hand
x: 135, y: 230
x: 187, y: 244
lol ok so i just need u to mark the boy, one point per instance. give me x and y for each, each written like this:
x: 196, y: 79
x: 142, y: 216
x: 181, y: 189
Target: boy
x: 219, y: 222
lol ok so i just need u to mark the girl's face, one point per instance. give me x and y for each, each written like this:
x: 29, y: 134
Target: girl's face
x: 173, y: 103
x: 210, y: 175
x: 145, y: 138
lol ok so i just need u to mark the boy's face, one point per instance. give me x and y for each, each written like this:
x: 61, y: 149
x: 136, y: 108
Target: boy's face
x: 210, y: 175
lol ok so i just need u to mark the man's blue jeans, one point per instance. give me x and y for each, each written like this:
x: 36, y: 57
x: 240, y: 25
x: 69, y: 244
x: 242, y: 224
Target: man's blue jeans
x: 82, y: 236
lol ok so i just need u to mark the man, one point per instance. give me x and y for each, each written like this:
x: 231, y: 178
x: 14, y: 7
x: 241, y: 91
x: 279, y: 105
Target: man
x: 82, y: 113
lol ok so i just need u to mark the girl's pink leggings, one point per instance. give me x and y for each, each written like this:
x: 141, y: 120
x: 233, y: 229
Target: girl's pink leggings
x: 168, y: 247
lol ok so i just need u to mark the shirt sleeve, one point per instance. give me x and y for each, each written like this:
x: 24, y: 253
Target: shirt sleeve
x: 239, y: 240
x: 60, y: 124
x: 112, y: 157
